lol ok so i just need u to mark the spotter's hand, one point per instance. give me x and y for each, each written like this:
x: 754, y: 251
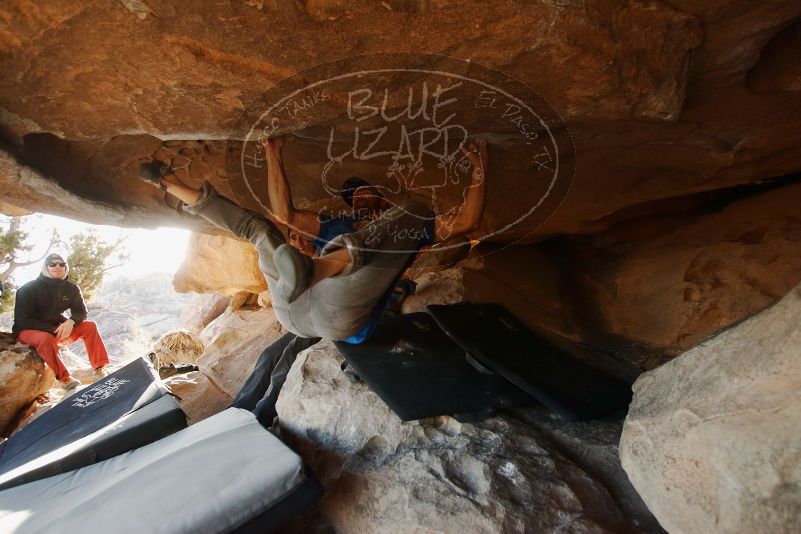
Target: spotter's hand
x: 64, y: 329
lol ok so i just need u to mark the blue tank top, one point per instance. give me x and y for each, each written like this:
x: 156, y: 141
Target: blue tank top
x: 332, y: 227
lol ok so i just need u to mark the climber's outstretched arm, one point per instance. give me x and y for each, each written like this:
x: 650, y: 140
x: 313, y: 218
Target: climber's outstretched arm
x: 280, y: 196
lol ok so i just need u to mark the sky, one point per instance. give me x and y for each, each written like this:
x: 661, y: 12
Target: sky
x: 160, y: 250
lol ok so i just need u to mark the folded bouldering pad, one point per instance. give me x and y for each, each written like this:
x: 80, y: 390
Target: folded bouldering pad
x: 122, y: 411
x: 226, y: 473
x: 419, y: 372
x: 500, y: 342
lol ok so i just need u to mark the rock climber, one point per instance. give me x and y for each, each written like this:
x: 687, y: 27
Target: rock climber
x: 340, y: 292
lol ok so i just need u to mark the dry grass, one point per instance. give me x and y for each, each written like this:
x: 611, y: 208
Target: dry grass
x: 177, y: 346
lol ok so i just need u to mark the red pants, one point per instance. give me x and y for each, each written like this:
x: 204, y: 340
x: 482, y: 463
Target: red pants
x: 47, y: 346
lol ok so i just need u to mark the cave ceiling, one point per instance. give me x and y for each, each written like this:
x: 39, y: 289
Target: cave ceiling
x: 643, y: 102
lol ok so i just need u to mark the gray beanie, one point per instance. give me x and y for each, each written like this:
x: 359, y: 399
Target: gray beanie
x: 53, y: 257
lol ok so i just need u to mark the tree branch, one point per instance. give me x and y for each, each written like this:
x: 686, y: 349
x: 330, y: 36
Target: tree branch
x: 112, y: 267
x: 13, y: 264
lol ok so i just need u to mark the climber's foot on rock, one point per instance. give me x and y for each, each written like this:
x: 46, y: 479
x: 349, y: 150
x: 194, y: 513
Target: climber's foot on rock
x: 154, y: 173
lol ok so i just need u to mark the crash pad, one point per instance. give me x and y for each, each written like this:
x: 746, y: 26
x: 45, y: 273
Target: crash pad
x: 124, y: 410
x: 226, y: 473
x: 419, y: 372
x: 502, y: 343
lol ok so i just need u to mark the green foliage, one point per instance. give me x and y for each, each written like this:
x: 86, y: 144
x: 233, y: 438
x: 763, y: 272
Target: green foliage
x: 12, y: 243
x: 88, y: 260
x: 7, y: 297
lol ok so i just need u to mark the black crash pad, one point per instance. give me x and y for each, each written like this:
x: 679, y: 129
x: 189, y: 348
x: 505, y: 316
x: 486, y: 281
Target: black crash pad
x: 499, y: 341
x: 122, y: 411
x: 419, y: 372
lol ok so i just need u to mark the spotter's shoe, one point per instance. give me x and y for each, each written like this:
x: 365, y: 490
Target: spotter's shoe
x: 100, y: 372
x: 69, y: 384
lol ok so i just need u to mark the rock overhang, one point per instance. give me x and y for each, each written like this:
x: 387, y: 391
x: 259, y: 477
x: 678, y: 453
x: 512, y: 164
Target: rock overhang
x: 639, y: 88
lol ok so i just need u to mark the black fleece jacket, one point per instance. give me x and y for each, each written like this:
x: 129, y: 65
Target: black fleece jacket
x: 41, y: 303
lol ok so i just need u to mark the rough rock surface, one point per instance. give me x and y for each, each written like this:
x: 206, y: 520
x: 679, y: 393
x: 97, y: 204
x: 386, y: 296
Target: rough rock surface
x: 437, y: 475
x: 202, y: 310
x: 215, y: 72
x: 219, y: 264
x: 233, y: 343
x: 593, y: 445
x: 656, y: 96
x: 712, y: 438
x: 633, y: 297
x: 198, y: 396
x: 779, y: 67
x: 23, y: 378
x: 664, y: 101
x: 665, y: 283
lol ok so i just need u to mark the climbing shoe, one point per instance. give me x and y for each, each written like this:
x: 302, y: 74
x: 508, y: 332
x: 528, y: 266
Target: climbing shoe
x: 153, y: 171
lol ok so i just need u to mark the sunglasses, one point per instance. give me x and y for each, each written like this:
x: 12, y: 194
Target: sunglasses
x: 57, y: 264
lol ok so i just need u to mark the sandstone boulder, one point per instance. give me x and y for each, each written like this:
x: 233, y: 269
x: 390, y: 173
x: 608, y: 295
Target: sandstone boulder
x: 437, y: 475
x: 233, y: 343
x: 23, y: 378
x: 712, y: 438
x: 217, y: 264
x: 202, y: 310
x: 635, y: 296
x: 663, y: 284
x: 198, y: 396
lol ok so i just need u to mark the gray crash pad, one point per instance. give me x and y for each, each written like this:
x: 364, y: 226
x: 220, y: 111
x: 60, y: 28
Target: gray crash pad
x: 227, y: 473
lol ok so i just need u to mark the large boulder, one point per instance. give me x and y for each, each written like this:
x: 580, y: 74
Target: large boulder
x: 233, y: 343
x: 663, y: 284
x: 198, y: 396
x: 217, y: 264
x: 202, y: 310
x: 437, y: 475
x: 635, y: 296
x: 23, y: 378
x: 712, y: 438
